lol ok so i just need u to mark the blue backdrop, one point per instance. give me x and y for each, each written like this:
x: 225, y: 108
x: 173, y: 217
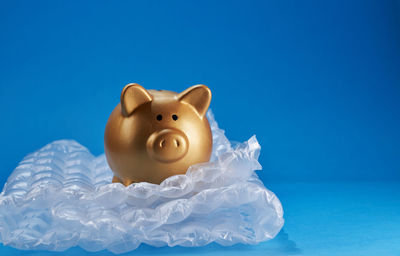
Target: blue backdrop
x: 318, y: 83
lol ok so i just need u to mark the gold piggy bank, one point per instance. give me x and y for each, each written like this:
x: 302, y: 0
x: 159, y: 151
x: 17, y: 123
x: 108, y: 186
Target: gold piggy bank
x: 152, y: 135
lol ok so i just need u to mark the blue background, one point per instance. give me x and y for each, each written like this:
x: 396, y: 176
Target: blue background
x: 318, y: 82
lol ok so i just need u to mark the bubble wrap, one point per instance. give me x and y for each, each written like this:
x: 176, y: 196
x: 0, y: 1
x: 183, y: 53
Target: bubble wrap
x: 62, y: 196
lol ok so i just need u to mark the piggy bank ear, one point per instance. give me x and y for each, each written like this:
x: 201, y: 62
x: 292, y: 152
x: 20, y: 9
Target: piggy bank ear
x: 198, y: 96
x: 132, y: 96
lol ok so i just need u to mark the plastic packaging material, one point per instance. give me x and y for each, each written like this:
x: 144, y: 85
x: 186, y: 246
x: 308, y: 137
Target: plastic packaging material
x: 61, y: 196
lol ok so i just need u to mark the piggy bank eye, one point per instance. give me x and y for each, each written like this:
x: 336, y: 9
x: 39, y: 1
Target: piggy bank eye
x: 175, y: 117
x: 159, y: 117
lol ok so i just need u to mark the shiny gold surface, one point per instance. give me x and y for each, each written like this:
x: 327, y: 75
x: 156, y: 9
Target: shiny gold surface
x: 152, y: 135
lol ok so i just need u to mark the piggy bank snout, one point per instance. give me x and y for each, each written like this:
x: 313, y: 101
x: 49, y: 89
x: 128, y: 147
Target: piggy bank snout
x: 167, y: 145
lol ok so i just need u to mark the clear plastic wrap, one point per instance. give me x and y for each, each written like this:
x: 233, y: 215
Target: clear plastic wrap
x: 61, y: 196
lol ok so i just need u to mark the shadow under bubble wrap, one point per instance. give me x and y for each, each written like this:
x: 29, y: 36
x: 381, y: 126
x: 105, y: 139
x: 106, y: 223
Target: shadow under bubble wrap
x: 279, y: 246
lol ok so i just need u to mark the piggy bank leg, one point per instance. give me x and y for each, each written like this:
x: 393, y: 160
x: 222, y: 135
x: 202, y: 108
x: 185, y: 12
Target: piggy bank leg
x: 126, y: 182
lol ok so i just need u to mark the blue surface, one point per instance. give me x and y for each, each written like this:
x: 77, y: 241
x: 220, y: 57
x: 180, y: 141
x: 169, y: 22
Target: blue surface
x: 344, y: 219
x: 317, y: 82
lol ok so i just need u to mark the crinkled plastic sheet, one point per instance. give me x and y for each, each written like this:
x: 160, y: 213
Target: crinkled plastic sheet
x: 61, y: 196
